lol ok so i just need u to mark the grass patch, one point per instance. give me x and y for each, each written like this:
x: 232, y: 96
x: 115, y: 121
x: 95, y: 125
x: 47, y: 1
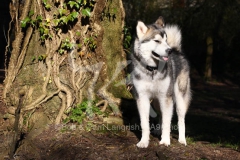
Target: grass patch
x: 226, y: 144
x: 190, y: 140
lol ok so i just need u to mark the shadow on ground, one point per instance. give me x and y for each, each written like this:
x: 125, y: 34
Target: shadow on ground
x: 212, y: 128
x: 213, y: 116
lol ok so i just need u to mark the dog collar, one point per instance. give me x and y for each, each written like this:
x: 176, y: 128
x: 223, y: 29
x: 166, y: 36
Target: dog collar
x: 159, y: 67
x: 151, y: 68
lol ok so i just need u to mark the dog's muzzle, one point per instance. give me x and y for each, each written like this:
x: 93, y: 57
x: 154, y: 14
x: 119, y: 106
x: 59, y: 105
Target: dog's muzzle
x: 165, y: 58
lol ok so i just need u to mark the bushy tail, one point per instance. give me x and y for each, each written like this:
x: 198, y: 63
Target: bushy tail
x: 174, y: 36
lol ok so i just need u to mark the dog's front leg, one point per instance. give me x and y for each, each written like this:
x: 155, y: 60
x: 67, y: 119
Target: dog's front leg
x: 143, y: 104
x: 166, y: 104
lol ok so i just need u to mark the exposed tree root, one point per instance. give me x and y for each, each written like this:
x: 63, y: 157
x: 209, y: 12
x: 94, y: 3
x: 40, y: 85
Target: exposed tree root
x: 62, y: 109
x: 23, y: 51
x: 105, y: 102
x: 11, y: 75
x: 17, y: 127
x: 7, y: 48
x: 74, y: 77
x: 44, y: 87
x: 113, y: 101
x: 57, y: 81
x: 102, y: 92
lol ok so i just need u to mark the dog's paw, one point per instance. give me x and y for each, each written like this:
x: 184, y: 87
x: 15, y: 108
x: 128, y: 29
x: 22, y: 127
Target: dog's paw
x: 143, y: 144
x: 182, y: 141
x: 165, y: 141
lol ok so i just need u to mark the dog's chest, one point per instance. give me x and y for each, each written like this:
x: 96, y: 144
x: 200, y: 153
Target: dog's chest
x: 152, y: 85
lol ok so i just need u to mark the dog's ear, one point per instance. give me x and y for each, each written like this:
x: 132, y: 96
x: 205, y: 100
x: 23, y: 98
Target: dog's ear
x: 141, y: 29
x: 160, y: 22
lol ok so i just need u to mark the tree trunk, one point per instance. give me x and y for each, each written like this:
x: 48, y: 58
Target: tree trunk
x: 64, y: 53
x: 208, y: 65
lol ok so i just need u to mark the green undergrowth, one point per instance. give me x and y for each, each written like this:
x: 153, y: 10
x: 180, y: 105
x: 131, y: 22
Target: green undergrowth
x: 83, y: 111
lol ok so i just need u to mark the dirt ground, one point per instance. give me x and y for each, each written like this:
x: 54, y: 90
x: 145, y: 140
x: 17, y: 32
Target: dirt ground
x: 212, y: 128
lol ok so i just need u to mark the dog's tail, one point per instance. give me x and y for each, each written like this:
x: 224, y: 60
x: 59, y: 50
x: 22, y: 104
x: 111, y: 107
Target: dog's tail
x: 174, y: 36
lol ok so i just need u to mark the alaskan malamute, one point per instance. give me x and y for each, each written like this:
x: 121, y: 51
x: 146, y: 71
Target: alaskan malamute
x: 160, y: 73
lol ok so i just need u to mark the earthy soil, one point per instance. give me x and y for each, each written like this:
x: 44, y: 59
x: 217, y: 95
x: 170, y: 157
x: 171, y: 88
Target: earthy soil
x: 212, y: 128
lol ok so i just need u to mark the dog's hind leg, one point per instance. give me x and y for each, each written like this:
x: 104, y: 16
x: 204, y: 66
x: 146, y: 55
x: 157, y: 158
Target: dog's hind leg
x: 166, y: 104
x: 183, y: 98
x: 143, y: 104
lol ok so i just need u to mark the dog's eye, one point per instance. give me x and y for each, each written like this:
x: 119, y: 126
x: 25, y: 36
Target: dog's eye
x: 157, y: 41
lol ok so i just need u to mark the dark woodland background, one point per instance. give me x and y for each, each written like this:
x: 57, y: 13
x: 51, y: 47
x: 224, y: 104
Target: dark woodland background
x: 5, y: 18
x: 211, y: 42
x: 198, y: 20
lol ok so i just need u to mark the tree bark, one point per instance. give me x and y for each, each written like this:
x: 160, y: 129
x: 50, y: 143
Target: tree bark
x: 63, y: 56
x: 208, y: 65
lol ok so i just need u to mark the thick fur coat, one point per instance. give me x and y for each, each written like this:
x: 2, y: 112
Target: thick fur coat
x: 160, y: 73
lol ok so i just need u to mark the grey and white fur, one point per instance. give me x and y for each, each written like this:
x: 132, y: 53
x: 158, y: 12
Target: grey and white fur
x: 160, y: 73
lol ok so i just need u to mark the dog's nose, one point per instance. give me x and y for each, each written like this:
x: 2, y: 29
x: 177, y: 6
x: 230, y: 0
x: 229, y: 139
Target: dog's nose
x: 168, y: 51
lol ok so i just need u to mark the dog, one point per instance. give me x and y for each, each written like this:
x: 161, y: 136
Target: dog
x: 160, y: 73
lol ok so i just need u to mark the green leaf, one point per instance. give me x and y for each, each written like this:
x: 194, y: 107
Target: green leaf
x: 50, y: 36
x: 46, y: 31
x: 41, y: 30
x: 24, y: 22
x: 86, y: 12
x: 43, y: 38
x: 128, y: 38
x: 67, y: 40
x: 47, y: 6
x: 72, y: 3
x: 70, y: 18
x: 61, y: 51
x: 33, y: 58
x: 86, y: 40
x: 62, y: 12
x: 79, y: 46
x: 64, y: 19
x: 42, y: 57
x: 39, y: 18
x: 44, y: 2
x: 78, y: 33
x: 31, y: 12
x: 56, y: 22
x: 71, y: 46
x: 33, y: 22
x: 79, y: 1
x: 74, y: 14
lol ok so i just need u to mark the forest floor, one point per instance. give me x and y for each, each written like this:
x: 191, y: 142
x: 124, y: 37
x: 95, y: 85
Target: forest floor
x: 212, y: 129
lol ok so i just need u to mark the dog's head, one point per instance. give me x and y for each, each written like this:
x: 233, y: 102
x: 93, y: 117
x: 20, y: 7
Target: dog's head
x: 153, y: 40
